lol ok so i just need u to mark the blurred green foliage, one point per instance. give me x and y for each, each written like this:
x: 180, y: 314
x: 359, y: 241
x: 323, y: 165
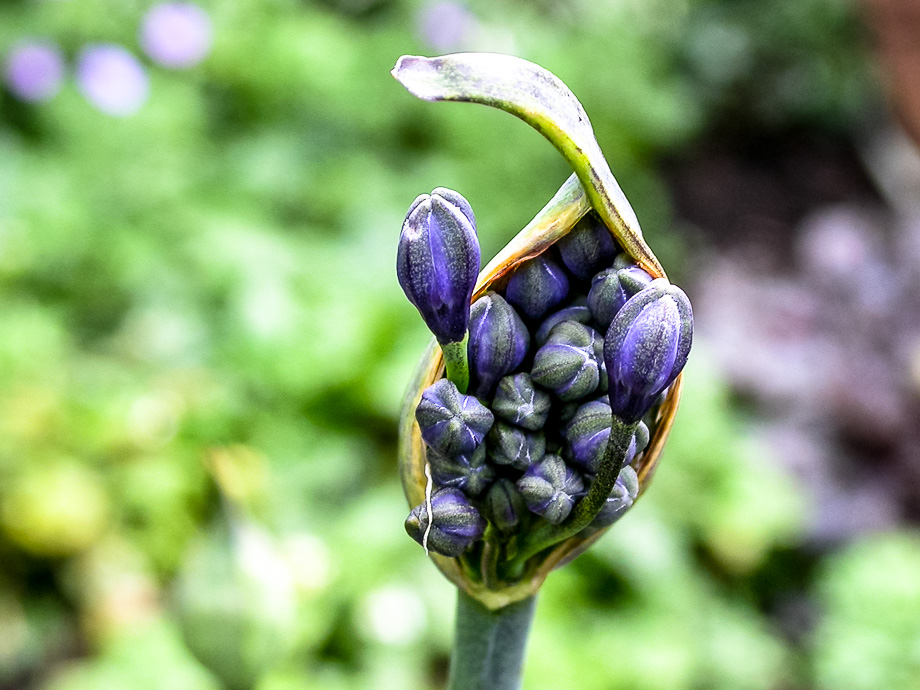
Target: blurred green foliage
x: 213, y: 278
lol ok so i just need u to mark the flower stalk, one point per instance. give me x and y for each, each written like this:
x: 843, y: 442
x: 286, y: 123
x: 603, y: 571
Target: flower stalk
x: 489, y: 645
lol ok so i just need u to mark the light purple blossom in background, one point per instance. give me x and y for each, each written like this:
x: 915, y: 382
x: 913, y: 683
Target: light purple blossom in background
x: 176, y: 35
x: 34, y: 71
x: 112, y: 79
x: 446, y: 26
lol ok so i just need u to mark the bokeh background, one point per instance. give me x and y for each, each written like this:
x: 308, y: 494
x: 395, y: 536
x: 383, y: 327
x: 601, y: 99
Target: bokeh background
x: 203, y: 345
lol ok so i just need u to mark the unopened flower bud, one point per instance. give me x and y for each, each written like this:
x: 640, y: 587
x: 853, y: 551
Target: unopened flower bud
x: 455, y: 524
x: 550, y: 489
x: 504, y: 505
x: 451, y: 423
x: 620, y: 500
x: 537, y: 286
x: 606, y: 296
x: 498, y: 342
x: 646, y: 347
x: 438, y: 261
x: 588, y: 248
x: 518, y: 401
x: 509, y: 445
x: 633, y: 280
x: 468, y: 472
x: 577, y: 312
x: 567, y: 364
x: 588, y: 433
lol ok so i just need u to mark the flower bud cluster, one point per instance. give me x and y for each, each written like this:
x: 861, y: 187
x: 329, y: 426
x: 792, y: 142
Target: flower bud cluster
x: 574, y: 341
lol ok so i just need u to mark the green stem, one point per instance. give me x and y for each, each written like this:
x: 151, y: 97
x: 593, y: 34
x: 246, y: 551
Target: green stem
x: 457, y: 363
x: 621, y: 435
x: 489, y: 645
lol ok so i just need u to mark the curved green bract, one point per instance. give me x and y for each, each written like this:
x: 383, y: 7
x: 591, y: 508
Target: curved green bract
x: 541, y: 100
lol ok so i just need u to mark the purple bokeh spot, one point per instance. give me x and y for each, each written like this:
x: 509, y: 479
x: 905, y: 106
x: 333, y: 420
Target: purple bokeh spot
x: 446, y: 26
x: 112, y: 79
x: 34, y: 71
x: 176, y: 35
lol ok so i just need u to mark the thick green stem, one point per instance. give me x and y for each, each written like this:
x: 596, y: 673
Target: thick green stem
x: 457, y: 363
x: 621, y: 435
x: 489, y: 645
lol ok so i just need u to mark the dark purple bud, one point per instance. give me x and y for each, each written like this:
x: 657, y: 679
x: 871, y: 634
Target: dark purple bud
x: 504, y: 505
x: 588, y: 432
x: 577, y: 312
x: 455, y: 524
x: 588, y: 248
x: 498, y: 343
x: 646, y: 347
x: 437, y: 262
x: 567, y: 364
x: 34, y: 71
x: 509, y: 445
x: 633, y: 280
x: 620, y: 500
x: 451, y: 423
x: 518, y: 401
x: 537, y: 286
x: 550, y: 489
x: 468, y: 472
x: 606, y: 296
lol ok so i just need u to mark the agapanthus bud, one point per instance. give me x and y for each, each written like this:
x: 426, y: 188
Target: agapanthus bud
x: 438, y: 261
x: 510, y: 445
x: 578, y: 312
x: 537, y: 286
x: 633, y: 279
x: 504, y: 505
x: 498, y: 342
x: 646, y: 347
x: 567, y: 364
x: 621, y: 499
x: 468, y: 472
x: 455, y: 524
x: 550, y: 489
x: 518, y: 401
x: 588, y: 432
x: 606, y: 296
x: 451, y: 423
x: 588, y: 248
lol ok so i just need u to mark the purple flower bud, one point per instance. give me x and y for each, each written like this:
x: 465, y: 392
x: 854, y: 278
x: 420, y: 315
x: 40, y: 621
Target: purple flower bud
x: 34, y: 71
x: 550, y: 489
x: 567, y: 364
x: 509, y: 445
x: 112, y: 79
x: 620, y: 500
x: 633, y: 279
x: 176, y: 35
x: 451, y: 423
x: 518, y: 401
x: 504, y: 505
x: 588, y: 248
x: 606, y: 296
x: 438, y: 261
x: 588, y: 432
x: 537, y: 286
x: 576, y: 312
x: 498, y: 342
x: 646, y: 347
x: 468, y: 472
x: 455, y: 524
